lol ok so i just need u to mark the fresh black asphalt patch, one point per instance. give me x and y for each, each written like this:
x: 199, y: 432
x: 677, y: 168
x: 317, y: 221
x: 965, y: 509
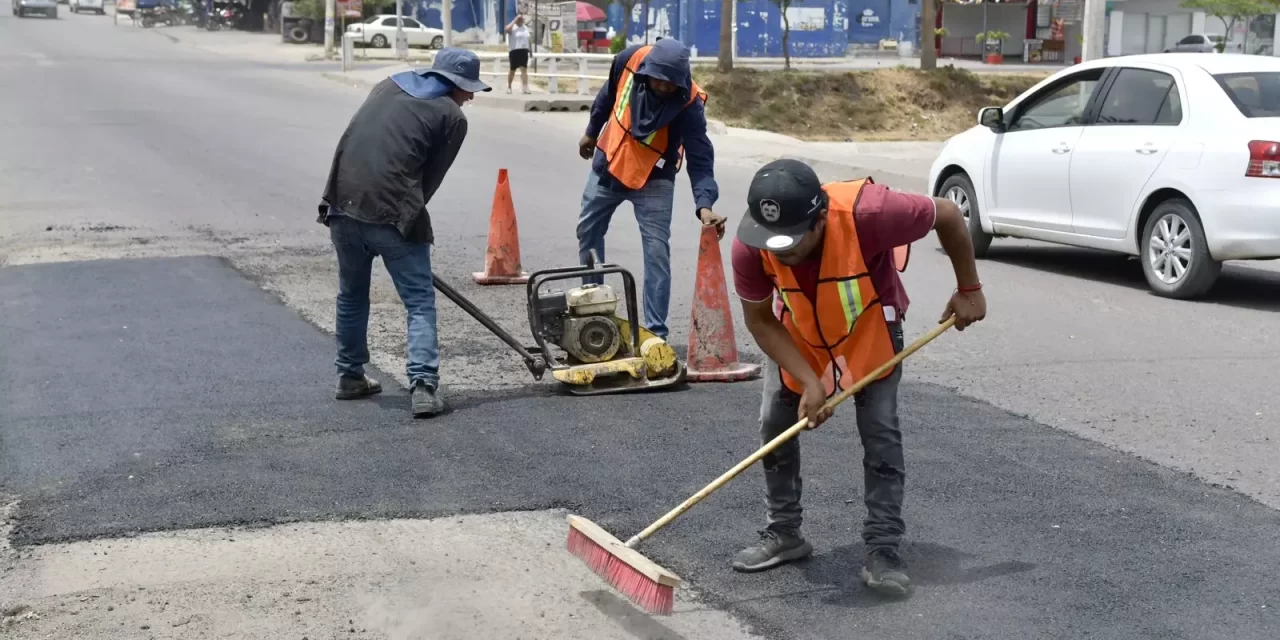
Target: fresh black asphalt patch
x: 158, y: 394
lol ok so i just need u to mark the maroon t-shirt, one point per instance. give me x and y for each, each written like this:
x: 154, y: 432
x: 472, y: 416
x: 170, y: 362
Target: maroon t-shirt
x: 885, y: 219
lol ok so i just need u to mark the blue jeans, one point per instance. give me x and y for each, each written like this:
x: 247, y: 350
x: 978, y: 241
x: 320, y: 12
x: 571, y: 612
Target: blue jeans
x: 652, y: 204
x: 409, y: 265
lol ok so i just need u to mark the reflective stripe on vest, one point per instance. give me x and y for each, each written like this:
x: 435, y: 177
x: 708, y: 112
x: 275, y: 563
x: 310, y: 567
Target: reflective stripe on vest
x: 631, y: 160
x: 843, y: 333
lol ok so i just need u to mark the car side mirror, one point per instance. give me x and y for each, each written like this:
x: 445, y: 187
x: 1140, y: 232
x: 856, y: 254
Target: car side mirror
x: 992, y: 118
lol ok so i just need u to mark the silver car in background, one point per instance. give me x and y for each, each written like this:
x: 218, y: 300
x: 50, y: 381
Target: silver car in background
x: 24, y: 8
x: 76, y: 6
x: 1197, y: 43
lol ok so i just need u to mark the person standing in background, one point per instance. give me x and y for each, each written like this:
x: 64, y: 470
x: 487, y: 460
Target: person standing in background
x: 518, y: 39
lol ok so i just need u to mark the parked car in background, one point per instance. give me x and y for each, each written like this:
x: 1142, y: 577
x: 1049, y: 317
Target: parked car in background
x: 24, y: 8
x: 380, y: 31
x: 1197, y: 43
x: 95, y: 6
x: 1174, y: 158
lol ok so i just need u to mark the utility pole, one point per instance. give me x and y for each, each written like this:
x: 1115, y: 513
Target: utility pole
x: 402, y: 45
x: 1093, y: 26
x: 446, y: 21
x: 330, y: 15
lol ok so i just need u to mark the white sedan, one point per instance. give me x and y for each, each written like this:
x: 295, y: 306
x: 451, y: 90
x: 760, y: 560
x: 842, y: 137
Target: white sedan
x: 1174, y: 158
x: 380, y: 31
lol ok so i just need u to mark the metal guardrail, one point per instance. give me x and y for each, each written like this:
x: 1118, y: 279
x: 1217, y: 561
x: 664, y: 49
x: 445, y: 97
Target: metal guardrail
x: 552, y: 73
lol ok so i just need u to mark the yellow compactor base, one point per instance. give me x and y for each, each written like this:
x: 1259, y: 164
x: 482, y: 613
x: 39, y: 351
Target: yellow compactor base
x: 656, y: 366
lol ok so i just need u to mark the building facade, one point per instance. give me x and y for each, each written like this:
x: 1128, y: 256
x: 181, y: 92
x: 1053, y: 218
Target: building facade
x: 1045, y: 31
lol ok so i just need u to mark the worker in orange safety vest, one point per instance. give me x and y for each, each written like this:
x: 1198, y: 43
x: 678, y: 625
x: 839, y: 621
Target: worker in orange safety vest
x: 814, y: 266
x: 642, y: 121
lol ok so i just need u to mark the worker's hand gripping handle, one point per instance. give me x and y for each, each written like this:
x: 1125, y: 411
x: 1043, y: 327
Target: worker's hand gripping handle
x: 790, y: 433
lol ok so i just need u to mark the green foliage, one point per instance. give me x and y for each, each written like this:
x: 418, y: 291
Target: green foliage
x: 617, y: 44
x: 1232, y: 11
x: 313, y: 9
x: 1237, y: 9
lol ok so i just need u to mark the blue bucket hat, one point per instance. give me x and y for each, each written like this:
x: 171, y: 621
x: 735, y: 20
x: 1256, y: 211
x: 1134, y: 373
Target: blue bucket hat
x: 459, y: 66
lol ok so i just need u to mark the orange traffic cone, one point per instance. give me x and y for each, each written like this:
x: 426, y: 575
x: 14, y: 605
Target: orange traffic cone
x: 502, y: 258
x: 713, y: 352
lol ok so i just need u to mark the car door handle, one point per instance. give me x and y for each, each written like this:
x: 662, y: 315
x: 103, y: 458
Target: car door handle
x: 1147, y: 150
x: 1061, y: 148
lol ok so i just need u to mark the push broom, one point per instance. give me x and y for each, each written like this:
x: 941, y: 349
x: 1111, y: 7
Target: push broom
x: 648, y: 584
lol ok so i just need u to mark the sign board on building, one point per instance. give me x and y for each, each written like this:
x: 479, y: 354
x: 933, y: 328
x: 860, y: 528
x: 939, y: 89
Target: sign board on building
x: 807, y: 18
x: 868, y: 18
x: 353, y: 8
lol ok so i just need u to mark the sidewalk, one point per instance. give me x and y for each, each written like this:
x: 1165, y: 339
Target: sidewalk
x: 538, y: 100
x: 901, y: 164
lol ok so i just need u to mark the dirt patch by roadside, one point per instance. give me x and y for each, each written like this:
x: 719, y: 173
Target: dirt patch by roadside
x: 880, y: 104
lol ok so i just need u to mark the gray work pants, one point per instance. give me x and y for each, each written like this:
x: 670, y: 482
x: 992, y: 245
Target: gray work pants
x: 884, y: 472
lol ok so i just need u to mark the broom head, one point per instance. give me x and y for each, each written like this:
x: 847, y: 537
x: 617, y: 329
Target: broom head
x: 641, y: 580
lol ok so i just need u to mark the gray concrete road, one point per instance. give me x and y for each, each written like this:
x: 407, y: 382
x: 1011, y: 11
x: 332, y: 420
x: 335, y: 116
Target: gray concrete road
x: 120, y: 143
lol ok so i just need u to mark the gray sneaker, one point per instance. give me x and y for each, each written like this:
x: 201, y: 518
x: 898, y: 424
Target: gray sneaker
x: 886, y: 573
x: 425, y: 401
x: 352, y: 388
x: 773, y: 549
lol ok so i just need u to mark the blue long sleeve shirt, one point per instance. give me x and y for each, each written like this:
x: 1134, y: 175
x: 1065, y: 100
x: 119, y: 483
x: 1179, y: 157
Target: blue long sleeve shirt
x: 688, y: 129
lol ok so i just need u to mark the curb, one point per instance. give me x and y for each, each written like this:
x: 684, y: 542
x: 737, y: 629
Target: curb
x: 851, y: 171
x: 534, y: 105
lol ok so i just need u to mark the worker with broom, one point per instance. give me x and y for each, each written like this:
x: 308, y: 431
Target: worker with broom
x: 644, y: 118
x: 826, y: 251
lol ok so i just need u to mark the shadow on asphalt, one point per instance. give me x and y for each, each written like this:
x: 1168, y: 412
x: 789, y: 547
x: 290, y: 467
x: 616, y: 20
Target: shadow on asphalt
x: 627, y: 616
x: 929, y: 565
x: 1240, y: 286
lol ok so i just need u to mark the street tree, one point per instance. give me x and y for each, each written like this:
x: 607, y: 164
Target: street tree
x: 783, y: 5
x: 726, y: 36
x: 627, y: 7
x: 1232, y: 11
x: 928, y: 35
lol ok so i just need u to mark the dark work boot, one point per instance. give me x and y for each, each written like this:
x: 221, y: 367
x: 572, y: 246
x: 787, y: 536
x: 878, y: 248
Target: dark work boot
x: 425, y: 401
x: 352, y: 388
x: 886, y: 573
x: 774, y: 549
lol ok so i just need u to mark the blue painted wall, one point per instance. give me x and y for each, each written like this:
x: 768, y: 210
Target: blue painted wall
x: 819, y: 33
x: 467, y: 14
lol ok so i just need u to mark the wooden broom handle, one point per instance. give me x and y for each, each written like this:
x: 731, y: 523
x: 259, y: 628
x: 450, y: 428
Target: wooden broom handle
x: 790, y: 433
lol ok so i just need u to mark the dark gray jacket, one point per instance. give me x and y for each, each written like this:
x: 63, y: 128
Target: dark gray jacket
x: 392, y: 158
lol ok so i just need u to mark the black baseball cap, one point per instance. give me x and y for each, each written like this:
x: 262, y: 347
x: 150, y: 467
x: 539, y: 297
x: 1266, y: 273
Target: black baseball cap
x: 783, y: 203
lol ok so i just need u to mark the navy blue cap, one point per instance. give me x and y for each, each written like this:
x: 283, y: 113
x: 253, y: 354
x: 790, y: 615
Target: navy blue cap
x: 461, y: 67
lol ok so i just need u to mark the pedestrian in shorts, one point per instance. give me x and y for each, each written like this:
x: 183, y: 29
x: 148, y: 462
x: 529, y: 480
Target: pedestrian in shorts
x: 518, y: 38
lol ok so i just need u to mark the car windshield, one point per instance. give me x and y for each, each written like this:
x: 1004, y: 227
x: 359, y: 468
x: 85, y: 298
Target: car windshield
x: 373, y: 19
x: 1255, y: 93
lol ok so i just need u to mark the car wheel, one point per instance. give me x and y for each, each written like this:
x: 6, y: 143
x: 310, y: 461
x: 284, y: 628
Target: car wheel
x: 959, y: 189
x: 1175, y: 254
x: 437, y: 42
x: 379, y: 41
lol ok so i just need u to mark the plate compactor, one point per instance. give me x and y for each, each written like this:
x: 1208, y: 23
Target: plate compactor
x: 602, y: 352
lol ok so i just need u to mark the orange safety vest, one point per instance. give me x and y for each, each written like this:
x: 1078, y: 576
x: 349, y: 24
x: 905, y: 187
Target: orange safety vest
x: 631, y: 160
x: 843, y: 334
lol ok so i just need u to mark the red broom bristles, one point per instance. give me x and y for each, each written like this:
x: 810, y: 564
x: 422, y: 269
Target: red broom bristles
x: 636, y: 586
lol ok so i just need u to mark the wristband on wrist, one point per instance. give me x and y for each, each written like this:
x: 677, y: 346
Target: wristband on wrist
x: 976, y: 287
